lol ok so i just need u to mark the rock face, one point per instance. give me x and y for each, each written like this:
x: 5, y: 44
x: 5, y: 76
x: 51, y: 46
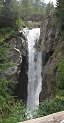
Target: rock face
x: 17, y: 73
x: 52, y: 52
x: 21, y: 86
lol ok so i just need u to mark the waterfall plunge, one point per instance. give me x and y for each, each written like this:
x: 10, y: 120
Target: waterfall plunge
x: 34, y: 71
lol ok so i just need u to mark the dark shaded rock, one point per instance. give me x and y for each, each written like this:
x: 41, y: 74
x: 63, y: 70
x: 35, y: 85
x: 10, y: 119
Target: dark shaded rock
x: 21, y: 87
x: 50, y: 71
x: 34, y: 17
x: 21, y: 34
x: 49, y: 34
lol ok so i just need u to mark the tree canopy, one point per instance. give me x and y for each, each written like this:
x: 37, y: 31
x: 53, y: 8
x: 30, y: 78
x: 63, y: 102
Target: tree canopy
x: 11, y: 10
x: 60, y: 13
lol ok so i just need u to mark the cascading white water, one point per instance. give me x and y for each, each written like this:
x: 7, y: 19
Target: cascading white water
x: 34, y: 71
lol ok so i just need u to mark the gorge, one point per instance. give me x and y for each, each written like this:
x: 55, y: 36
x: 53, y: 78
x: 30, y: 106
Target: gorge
x: 31, y: 61
x: 33, y: 57
x: 34, y: 77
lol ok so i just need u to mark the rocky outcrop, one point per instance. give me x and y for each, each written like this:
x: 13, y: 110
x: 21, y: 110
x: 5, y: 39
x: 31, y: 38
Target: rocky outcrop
x: 35, y: 17
x: 17, y: 72
x: 52, y: 52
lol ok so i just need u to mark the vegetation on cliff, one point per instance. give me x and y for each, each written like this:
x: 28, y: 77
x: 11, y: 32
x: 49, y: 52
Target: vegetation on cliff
x: 56, y: 103
x: 13, y: 15
x: 60, y: 67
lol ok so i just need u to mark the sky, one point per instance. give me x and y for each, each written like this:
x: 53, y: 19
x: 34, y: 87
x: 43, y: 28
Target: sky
x: 47, y: 1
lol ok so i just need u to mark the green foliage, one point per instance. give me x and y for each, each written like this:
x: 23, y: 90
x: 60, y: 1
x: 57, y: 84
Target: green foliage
x: 60, y: 75
x: 50, y: 106
x: 5, y: 33
x: 6, y: 18
x: 4, y: 97
x: 60, y: 13
x: 49, y: 8
x: 11, y: 13
x: 15, y: 114
x: 32, y: 24
x: 3, y: 87
x: 60, y: 93
x: 4, y: 58
x: 56, y: 103
x: 62, y: 36
x: 10, y: 111
x: 20, y: 23
x: 13, y: 10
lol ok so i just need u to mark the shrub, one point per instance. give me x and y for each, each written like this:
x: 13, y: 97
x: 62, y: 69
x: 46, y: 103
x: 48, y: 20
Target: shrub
x: 17, y: 113
x: 20, y: 23
x: 60, y: 93
x: 10, y: 111
x: 50, y: 106
x: 5, y: 33
x: 60, y: 75
x: 32, y: 24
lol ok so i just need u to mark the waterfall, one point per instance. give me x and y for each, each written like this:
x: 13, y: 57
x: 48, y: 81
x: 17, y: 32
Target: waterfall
x: 34, y: 71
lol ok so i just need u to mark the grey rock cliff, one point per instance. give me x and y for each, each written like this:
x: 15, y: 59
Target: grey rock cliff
x: 17, y: 54
x: 52, y: 52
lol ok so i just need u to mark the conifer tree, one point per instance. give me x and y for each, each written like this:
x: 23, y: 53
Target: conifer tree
x: 60, y: 13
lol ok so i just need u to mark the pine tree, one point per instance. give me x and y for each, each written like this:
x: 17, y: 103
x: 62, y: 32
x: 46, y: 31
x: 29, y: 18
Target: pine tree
x: 6, y: 8
x: 60, y: 13
x: 8, y: 13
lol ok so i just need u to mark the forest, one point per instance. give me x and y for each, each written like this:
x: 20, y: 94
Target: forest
x: 15, y: 15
